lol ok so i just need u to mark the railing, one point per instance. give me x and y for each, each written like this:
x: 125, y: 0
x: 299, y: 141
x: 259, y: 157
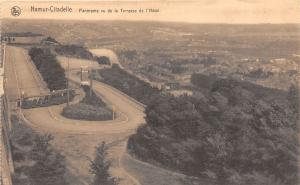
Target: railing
x: 6, y: 156
x: 6, y: 163
x: 53, y: 98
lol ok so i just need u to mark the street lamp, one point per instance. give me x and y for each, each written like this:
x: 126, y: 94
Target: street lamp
x: 91, y: 77
x: 68, y: 73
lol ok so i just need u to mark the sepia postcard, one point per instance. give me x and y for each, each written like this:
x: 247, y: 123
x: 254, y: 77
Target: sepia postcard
x: 155, y: 92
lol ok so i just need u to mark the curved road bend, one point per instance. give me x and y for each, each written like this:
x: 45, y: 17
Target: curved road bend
x: 77, y: 139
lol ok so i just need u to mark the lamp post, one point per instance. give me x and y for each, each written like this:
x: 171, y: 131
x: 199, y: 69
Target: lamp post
x: 68, y: 73
x: 113, y: 112
x: 91, y: 77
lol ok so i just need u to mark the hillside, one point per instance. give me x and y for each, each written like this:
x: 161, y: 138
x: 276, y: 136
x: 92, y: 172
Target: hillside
x: 237, y: 134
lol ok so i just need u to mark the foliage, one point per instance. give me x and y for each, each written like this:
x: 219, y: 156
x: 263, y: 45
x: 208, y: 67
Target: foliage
x: 49, y: 40
x: 88, y: 112
x: 203, y: 81
x: 128, y: 54
x: 239, y: 134
x: 51, y: 71
x: 91, y: 98
x: 103, y: 60
x: 258, y: 74
x: 293, y: 97
x: 99, y: 167
x: 177, y: 69
x: 91, y: 108
x: 128, y: 83
x: 35, y: 160
x: 74, y: 51
x: 49, y: 167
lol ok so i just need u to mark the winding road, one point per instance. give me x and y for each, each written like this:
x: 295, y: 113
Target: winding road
x: 77, y: 139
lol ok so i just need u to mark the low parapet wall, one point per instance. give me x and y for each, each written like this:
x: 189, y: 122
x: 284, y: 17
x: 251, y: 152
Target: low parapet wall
x: 6, y: 162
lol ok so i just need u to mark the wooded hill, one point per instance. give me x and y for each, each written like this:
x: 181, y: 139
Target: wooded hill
x: 236, y: 133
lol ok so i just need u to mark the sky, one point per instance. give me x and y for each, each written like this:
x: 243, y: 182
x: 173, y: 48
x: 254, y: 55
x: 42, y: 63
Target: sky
x: 197, y: 11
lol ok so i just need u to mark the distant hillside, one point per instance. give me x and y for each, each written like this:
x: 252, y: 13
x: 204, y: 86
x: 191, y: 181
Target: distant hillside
x: 22, y: 34
x: 249, y: 40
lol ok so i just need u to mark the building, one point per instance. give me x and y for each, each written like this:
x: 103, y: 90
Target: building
x: 22, y: 38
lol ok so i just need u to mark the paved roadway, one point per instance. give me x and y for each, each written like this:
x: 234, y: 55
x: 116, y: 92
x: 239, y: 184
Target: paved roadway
x: 20, y: 76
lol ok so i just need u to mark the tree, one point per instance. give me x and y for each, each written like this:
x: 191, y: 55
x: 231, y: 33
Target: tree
x: 49, y: 166
x: 53, y: 74
x: 100, y: 167
x: 103, y: 60
x: 237, y: 133
x: 293, y: 97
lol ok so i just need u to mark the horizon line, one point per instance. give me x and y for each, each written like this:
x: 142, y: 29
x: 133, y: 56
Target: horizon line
x: 157, y: 21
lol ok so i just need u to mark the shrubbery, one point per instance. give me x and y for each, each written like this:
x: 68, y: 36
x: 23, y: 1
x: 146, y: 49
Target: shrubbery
x: 237, y: 134
x: 74, y: 51
x: 49, y: 40
x: 51, y: 71
x: 91, y: 108
x: 91, y: 98
x: 88, y: 112
x: 49, y: 166
x: 128, y: 84
x: 103, y: 60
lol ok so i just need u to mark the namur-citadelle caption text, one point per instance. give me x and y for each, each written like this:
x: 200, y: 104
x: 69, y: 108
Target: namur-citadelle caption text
x: 68, y: 9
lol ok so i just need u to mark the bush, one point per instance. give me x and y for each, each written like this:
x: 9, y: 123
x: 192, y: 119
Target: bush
x: 84, y: 111
x: 129, y: 84
x: 259, y: 74
x: 49, y: 40
x: 91, y: 108
x: 74, y: 51
x: 51, y: 71
x: 18, y: 156
x: 103, y: 60
x: 91, y: 98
